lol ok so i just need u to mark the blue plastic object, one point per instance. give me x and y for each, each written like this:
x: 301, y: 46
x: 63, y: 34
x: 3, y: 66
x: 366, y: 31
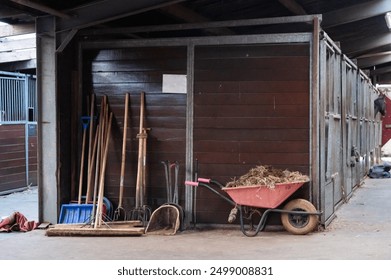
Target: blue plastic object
x: 107, y: 203
x: 76, y: 213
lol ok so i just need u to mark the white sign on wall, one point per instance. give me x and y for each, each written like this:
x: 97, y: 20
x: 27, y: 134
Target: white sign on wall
x: 173, y: 83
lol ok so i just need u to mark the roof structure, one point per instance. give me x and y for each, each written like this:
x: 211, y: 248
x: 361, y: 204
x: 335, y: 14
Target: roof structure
x: 358, y: 26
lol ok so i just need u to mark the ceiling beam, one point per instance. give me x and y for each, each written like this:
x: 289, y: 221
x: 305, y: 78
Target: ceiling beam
x: 20, y: 55
x: 384, y: 78
x: 353, y: 48
x: 16, y: 29
x: 294, y: 7
x: 203, y: 25
x: 41, y: 8
x: 13, y: 66
x: 183, y: 13
x: 368, y: 62
x: 8, y: 12
x: 7, y: 45
x: 65, y: 38
x: 373, y: 55
x: 189, y: 16
x: 108, y: 10
x: 356, y: 13
x: 381, y: 70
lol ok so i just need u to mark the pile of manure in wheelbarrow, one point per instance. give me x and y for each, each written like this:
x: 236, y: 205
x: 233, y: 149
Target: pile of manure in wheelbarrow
x: 267, y: 176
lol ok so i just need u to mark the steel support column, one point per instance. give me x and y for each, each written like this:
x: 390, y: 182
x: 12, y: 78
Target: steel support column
x: 189, y: 194
x: 47, y: 119
x: 315, y: 191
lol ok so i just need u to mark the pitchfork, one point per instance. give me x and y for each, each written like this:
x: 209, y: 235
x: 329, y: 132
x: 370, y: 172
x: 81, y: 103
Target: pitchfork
x: 141, y: 211
x: 120, y: 211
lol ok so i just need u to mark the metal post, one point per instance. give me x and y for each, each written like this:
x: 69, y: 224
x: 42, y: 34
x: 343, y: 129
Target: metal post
x: 47, y: 120
x: 189, y: 133
x: 26, y: 125
x: 314, y: 99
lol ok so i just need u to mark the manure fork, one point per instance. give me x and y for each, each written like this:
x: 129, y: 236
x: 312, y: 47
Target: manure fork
x: 141, y: 211
x: 171, y: 190
x: 120, y: 211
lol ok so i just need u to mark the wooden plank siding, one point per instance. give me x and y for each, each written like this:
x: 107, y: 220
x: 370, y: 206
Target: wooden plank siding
x: 13, y: 158
x: 32, y: 154
x: 15, y: 48
x: 116, y: 72
x: 251, y: 107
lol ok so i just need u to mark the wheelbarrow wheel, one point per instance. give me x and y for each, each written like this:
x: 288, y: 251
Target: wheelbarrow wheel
x: 296, y: 223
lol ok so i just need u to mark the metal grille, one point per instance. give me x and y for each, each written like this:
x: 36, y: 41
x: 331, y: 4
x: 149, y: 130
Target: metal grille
x: 32, y: 99
x: 18, y: 98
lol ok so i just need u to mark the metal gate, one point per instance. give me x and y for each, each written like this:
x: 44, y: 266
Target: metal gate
x: 351, y: 119
x: 18, y: 106
x: 18, y: 99
x: 350, y: 133
x: 331, y: 127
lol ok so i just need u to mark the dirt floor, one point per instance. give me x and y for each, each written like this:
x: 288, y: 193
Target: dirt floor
x: 360, y: 231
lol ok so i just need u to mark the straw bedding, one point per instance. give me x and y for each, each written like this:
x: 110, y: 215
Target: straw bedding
x: 267, y: 176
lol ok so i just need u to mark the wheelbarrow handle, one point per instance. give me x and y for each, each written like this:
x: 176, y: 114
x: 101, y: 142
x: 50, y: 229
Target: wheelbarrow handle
x: 197, y: 184
x: 191, y: 183
x: 210, y: 181
x: 204, y: 180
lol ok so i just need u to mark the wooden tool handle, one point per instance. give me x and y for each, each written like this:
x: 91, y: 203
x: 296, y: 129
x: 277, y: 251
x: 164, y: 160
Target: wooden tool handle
x: 121, y: 183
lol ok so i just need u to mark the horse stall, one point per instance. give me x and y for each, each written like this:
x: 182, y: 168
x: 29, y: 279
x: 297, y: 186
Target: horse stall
x: 18, y: 136
x: 218, y: 106
x: 350, y: 133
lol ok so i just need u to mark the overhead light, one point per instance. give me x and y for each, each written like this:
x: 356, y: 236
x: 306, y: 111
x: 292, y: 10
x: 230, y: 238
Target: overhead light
x: 388, y: 19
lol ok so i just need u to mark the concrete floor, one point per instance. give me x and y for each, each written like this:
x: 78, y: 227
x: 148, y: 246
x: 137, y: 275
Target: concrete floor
x: 361, y: 231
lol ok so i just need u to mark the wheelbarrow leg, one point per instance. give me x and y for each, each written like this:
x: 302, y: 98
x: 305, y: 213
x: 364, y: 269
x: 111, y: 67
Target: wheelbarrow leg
x: 261, y: 225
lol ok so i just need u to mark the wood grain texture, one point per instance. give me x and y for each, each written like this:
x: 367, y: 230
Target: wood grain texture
x: 251, y: 107
x: 13, y: 158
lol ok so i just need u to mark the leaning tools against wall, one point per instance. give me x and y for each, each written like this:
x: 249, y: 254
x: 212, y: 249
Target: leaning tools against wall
x: 106, y: 120
x: 120, y: 212
x: 141, y: 211
x: 168, y: 218
x: 75, y: 212
x: 171, y: 185
x: 91, y: 149
x: 85, y: 123
x: 97, y: 221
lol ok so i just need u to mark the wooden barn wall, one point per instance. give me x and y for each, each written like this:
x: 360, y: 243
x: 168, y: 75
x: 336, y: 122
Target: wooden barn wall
x: 13, y: 158
x: 133, y: 70
x: 32, y: 154
x: 68, y: 124
x: 251, y: 107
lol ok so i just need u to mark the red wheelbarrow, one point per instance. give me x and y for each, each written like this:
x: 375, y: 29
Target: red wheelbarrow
x: 298, y: 216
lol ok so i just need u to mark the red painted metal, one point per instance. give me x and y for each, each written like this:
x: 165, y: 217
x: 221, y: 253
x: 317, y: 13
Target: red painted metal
x: 386, y: 123
x: 263, y: 196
